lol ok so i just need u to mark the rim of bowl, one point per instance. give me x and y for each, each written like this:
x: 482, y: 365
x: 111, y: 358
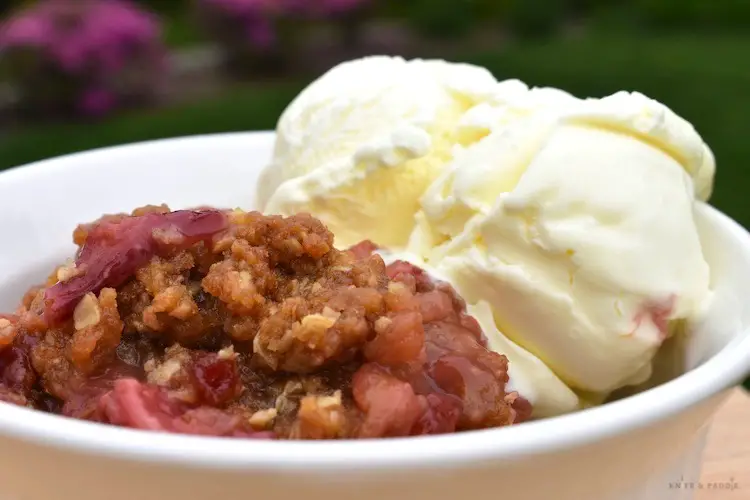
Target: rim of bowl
x: 718, y: 373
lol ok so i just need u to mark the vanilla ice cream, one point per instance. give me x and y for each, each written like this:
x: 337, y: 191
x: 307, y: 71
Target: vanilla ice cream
x: 359, y: 146
x: 566, y: 223
x: 574, y: 222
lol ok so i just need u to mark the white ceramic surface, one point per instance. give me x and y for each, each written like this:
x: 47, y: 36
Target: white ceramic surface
x: 640, y: 448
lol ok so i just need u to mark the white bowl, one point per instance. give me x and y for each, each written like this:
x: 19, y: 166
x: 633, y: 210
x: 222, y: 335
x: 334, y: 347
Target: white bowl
x: 642, y: 447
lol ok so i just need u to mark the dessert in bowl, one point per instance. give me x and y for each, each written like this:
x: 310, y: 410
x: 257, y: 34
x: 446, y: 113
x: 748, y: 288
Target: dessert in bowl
x: 231, y: 323
x: 249, y: 329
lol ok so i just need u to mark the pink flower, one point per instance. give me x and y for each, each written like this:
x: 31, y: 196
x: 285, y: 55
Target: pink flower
x: 96, y: 102
x: 23, y: 31
x: 256, y: 20
x: 76, y: 33
x: 89, y: 43
x: 261, y: 34
x: 71, y: 54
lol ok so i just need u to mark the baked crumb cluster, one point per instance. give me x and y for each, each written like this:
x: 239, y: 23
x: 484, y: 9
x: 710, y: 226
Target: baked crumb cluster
x: 232, y: 323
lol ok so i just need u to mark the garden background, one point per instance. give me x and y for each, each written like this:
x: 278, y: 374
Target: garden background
x: 81, y: 74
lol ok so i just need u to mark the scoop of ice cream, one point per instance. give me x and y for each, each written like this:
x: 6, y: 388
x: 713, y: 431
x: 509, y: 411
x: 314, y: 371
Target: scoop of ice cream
x: 359, y: 146
x: 575, y: 224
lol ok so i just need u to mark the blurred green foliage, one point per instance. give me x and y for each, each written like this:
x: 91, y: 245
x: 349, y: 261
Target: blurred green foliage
x: 451, y: 18
x: 527, y: 18
x: 535, y: 18
x: 705, y: 79
x: 697, y: 14
x: 165, y: 6
x: 704, y: 76
x: 455, y: 18
x: 179, y: 30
